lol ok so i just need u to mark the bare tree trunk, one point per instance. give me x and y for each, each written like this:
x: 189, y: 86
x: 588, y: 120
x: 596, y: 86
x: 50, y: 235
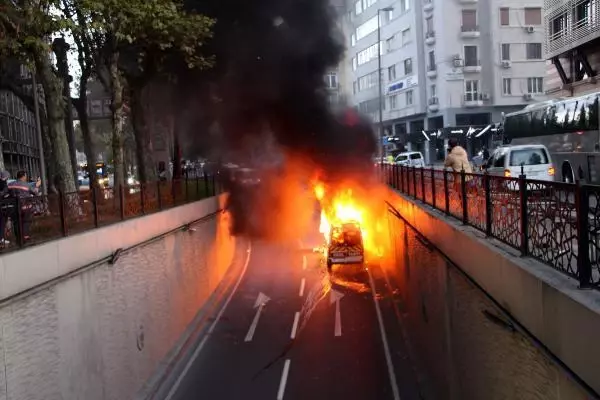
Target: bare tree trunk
x: 55, y: 109
x: 118, y: 121
x: 143, y: 139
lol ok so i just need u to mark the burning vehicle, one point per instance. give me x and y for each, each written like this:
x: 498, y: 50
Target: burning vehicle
x: 345, y: 245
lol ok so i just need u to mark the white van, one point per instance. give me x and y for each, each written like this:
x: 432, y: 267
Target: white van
x: 410, y: 159
x: 533, y: 160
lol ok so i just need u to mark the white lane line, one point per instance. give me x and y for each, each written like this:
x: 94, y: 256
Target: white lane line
x: 284, y: 377
x: 338, y: 320
x: 302, y: 285
x: 304, y: 262
x: 295, y: 325
x: 386, y: 347
x: 210, y: 329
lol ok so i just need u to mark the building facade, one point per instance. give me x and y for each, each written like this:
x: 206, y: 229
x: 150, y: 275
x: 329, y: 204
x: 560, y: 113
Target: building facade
x: 572, y: 46
x: 446, y: 66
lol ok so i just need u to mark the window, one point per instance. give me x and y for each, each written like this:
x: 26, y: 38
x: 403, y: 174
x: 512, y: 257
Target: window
x: 353, y: 40
x: 533, y: 16
x: 409, y: 97
x: 505, y: 52
x: 408, y: 66
x: 388, y: 16
x: 389, y: 43
x: 432, y: 64
x: 331, y: 80
x: 405, y: 36
x: 367, y: 81
x: 507, y: 86
x: 528, y: 156
x: 393, y: 101
x: 358, y: 7
x: 367, y: 28
x: 392, y: 72
x: 471, y: 90
x: 535, y: 85
x: 429, y: 25
x: 471, y: 59
x: 404, y: 5
x: 433, y: 90
x: 557, y: 26
x: 504, y: 17
x: 354, y: 63
x: 534, y: 51
x: 499, y: 160
x: 469, y: 20
x: 368, y: 54
x: 354, y: 87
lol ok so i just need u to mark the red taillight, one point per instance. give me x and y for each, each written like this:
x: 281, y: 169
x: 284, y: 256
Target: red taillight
x: 507, y: 173
x: 551, y: 170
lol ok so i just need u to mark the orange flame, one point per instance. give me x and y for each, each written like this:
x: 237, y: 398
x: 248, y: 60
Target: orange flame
x: 342, y: 205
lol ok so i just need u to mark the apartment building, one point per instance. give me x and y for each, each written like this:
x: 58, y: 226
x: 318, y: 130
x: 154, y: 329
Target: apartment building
x: 572, y: 45
x: 448, y: 67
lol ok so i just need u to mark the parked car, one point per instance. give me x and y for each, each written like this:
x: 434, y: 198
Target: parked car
x: 410, y: 159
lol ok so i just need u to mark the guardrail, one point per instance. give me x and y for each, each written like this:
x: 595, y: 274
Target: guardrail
x: 556, y: 223
x: 38, y: 219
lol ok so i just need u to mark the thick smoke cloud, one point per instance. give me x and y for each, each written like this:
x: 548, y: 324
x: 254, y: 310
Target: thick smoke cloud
x: 271, y: 58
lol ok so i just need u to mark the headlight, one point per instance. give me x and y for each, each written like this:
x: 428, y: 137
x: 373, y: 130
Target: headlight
x: 130, y: 181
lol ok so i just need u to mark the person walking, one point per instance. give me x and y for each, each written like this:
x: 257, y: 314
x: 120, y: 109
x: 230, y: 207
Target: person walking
x: 4, y: 206
x: 24, y: 191
x: 457, y: 160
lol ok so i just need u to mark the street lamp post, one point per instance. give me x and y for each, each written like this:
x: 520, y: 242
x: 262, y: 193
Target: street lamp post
x: 379, y: 78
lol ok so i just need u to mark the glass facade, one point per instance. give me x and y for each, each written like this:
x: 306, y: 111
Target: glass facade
x: 20, y: 147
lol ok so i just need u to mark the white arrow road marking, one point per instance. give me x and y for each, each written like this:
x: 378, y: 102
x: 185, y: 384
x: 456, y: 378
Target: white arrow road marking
x: 335, y: 297
x: 260, y: 303
x: 302, y: 284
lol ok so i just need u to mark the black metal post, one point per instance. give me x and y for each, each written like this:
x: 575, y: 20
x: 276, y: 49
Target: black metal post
x: 187, y: 195
x: 488, y: 204
x: 206, y: 189
x: 159, y: 196
x: 433, y: 202
x: 122, y: 202
x: 584, y: 267
x: 95, y: 205
x: 174, y: 191
x: 18, y: 229
x: 198, y: 197
x: 142, y: 199
x: 414, y: 178
x: 401, y: 186
x: 446, y: 193
x: 61, y: 210
x: 423, y: 197
x: 214, y: 185
x: 463, y: 195
x: 523, y: 212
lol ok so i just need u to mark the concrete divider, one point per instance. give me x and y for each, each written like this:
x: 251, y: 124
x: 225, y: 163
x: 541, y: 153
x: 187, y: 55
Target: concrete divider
x: 100, y: 332
x: 545, y: 302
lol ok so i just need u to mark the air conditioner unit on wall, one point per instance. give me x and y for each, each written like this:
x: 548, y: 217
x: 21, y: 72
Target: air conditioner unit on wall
x: 506, y: 64
x: 529, y: 29
x: 486, y: 96
x: 527, y: 96
x: 457, y: 62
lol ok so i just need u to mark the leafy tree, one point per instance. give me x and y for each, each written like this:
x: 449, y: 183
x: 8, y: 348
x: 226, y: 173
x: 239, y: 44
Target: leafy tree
x: 132, y: 39
x: 25, y: 31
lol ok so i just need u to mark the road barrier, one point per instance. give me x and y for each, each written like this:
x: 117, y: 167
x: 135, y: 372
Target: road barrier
x: 554, y: 222
x: 49, y: 217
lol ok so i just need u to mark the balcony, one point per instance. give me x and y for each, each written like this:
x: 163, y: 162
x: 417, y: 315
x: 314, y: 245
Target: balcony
x: 432, y: 72
x: 428, y: 6
x: 434, y: 104
x: 430, y: 38
x: 472, y: 67
x: 572, y: 28
x: 470, y: 31
x: 473, y: 100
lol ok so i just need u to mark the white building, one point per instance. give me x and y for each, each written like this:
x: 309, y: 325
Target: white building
x: 572, y: 45
x: 445, y: 64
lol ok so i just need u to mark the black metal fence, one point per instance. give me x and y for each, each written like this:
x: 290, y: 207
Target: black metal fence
x: 556, y: 223
x: 33, y: 220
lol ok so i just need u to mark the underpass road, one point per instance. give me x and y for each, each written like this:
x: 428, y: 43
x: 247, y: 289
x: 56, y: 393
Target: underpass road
x: 322, y: 362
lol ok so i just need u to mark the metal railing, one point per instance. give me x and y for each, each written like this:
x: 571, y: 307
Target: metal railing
x: 556, y: 223
x: 38, y: 219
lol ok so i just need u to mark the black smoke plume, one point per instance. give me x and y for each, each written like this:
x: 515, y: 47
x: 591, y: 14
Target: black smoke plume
x: 271, y: 58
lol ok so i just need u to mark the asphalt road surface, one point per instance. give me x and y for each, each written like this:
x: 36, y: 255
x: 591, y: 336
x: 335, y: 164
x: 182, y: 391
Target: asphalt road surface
x: 293, y: 331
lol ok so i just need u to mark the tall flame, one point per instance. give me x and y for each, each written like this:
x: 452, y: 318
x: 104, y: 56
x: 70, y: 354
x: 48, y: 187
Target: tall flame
x: 341, y: 206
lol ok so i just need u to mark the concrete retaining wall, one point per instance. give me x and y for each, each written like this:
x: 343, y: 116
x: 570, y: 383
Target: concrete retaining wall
x: 547, y: 303
x: 101, y: 333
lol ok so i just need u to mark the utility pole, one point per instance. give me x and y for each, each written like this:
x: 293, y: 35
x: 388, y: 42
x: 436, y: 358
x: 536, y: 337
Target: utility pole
x: 60, y: 48
x: 38, y: 128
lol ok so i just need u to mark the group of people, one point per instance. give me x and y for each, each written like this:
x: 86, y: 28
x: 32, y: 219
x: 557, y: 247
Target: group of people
x: 20, y: 216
